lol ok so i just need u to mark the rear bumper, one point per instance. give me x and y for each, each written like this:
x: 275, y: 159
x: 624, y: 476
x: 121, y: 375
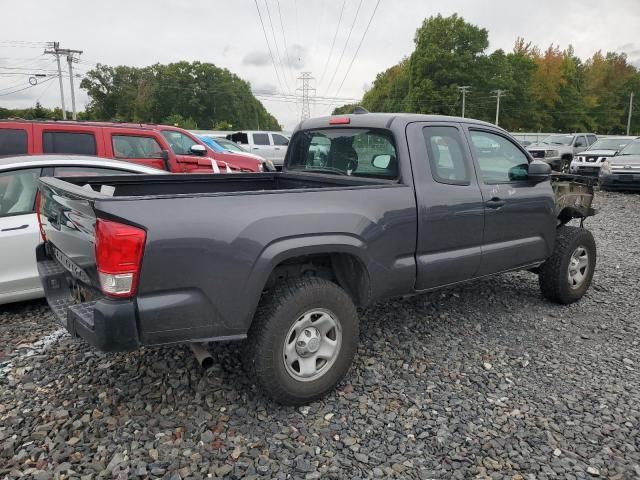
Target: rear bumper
x: 620, y: 181
x: 108, y: 325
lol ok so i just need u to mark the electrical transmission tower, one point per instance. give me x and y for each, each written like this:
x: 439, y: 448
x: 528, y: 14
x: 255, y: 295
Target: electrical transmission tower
x: 307, y: 91
x: 57, y: 51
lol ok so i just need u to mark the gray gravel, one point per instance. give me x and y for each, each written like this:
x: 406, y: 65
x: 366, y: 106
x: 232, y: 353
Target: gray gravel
x: 483, y: 381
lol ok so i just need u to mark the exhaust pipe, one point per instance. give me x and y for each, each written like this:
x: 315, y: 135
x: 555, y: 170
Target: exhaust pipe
x: 202, y: 354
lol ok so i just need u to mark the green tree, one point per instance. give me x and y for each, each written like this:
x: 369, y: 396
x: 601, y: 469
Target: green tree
x: 194, y: 90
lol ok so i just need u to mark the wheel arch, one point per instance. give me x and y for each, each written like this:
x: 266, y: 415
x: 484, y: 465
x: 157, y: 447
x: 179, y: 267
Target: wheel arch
x: 340, y: 258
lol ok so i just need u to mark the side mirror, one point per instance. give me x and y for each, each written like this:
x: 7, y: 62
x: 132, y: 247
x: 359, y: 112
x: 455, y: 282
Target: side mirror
x: 381, y: 161
x: 539, y: 171
x: 164, y: 155
x: 200, y: 150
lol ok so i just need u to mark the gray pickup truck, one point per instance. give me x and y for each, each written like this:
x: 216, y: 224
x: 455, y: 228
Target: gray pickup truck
x: 399, y: 205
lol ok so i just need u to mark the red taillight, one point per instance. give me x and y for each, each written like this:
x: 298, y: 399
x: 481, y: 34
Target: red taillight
x: 38, y: 208
x: 339, y: 121
x: 119, y: 251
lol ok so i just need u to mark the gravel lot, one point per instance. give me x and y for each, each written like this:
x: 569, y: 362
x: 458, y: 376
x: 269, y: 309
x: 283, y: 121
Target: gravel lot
x: 483, y: 381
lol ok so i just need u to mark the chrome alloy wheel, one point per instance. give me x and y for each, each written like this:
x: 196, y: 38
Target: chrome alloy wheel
x: 578, y: 267
x: 312, y: 345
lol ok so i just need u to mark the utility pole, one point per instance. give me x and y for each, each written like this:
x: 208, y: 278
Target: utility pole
x: 464, y: 91
x: 499, y: 93
x: 630, y: 110
x: 57, y: 51
x: 54, y: 52
x: 306, y: 89
x: 70, y: 61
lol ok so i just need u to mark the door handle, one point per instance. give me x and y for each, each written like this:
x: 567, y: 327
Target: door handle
x: 11, y: 229
x: 495, y: 202
x: 256, y: 148
x: 277, y: 148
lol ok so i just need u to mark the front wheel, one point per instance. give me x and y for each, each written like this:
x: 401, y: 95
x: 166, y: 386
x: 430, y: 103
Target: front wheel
x: 302, y: 340
x: 566, y: 275
x: 565, y: 165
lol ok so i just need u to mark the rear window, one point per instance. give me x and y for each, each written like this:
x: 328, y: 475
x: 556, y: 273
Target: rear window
x: 13, y: 141
x: 359, y: 152
x: 69, y: 142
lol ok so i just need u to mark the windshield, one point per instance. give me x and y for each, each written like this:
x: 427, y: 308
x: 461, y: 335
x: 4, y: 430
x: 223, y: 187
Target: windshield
x: 211, y: 143
x: 632, y: 149
x: 616, y: 144
x: 360, y: 152
x: 229, y: 145
x: 558, y: 139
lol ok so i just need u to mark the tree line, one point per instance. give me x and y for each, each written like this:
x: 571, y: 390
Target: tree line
x: 550, y: 90
x: 192, y: 95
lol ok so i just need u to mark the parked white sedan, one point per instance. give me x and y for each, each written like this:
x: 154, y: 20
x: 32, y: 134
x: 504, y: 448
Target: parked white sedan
x: 19, y: 233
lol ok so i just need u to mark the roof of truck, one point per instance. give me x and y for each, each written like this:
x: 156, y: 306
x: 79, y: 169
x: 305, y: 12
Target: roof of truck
x: 384, y: 120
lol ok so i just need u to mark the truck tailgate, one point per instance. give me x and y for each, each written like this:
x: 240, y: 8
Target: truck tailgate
x: 67, y: 267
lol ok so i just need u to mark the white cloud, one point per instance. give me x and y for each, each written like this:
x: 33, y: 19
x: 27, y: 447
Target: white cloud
x: 226, y: 32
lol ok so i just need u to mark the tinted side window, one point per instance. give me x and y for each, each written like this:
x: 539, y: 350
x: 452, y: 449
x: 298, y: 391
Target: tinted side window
x: 18, y: 191
x: 592, y: 139
x: 447, y: 157
x: 580, y: 141
x: 261, y: 139
x: 132, y: 146
x: 69, y: 142
x: 499, y: 159
x: 13, y: 141
x: 73, y: 171
x: 279, y: 139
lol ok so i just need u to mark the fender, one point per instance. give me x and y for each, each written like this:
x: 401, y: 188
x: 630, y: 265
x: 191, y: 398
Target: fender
x: 290, y: 247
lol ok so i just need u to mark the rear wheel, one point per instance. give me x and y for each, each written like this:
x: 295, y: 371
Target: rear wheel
x: 302, y: 341
x: 566, y: 275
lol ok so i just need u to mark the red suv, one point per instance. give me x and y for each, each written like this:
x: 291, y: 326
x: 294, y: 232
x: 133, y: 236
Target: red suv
x: 160, y: 146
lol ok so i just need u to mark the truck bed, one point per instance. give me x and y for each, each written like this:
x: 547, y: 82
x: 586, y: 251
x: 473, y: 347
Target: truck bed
x: 205, y: 184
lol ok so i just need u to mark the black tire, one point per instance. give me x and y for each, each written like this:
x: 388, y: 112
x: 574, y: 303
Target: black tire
x: 554, y: 273
x: 278, y: 311
x: 565, y: 164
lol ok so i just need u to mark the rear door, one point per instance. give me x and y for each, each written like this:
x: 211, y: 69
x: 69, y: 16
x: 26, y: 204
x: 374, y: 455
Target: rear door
x: 137, y: 146
x: 19, y: 233
x: 261, y: 145
x: 450, y: 205
x: 71, y: 139
x: 280, y: 144
x: 519, y: 222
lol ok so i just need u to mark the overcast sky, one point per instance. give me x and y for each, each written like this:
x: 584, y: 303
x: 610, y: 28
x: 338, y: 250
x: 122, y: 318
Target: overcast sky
x: 229, y: 34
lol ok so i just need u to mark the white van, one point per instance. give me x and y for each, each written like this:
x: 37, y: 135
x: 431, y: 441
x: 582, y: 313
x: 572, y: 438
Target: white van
x: 269, y: 145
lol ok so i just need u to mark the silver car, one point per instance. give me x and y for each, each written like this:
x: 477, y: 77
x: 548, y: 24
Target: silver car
x: 19, y: 233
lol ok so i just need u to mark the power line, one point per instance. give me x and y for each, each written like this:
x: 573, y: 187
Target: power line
x: 284, y: 37
x: 345, y: 48
x: 358, y: 49
x: 333, y: 43
x: 275, y: 41
x: 27, y: 87
x: 264, y: 31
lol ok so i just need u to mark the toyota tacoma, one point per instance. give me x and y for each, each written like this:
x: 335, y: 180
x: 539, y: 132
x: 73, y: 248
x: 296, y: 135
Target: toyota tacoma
x: 401, y: 204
